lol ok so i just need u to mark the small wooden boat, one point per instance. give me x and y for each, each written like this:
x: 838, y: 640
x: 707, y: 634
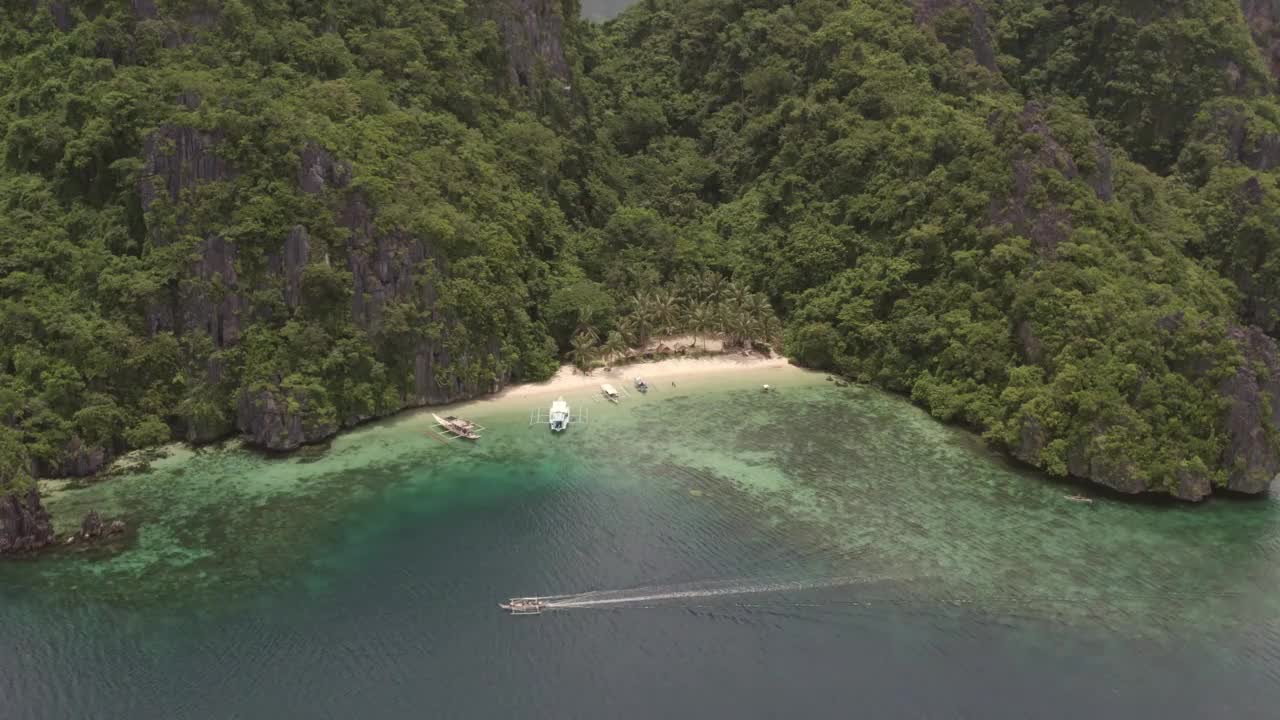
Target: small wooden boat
x: 641, y: 385
x: 524, y: 606
x: 559, y: 415
x: 1079, y: 498
x: 610, y: 393
x: 458, y: 427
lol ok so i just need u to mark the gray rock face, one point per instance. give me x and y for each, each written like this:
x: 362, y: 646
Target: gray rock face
x: 93, y: 529
x: 280, y: 420
x: 1251, y: 424
x: 532, y: 31
x: 144, y: 9
x: 24, y: 523
x: 1050, y: 224
x: 1262, y: 15
x: 386, y: 265
x: 979, y: 34
x: 80, y: 460
x: 60, y: 10
x: 178, y: 159
x: 177, y: 162
x: 91, y: 526
x: 1256, y: 151
x: 1252, y: 455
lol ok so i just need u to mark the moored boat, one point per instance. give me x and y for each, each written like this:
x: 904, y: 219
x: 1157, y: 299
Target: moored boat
x: 559, y: 415
x: 610, y: 393
x: 458, y: 427
x: 641, y: 385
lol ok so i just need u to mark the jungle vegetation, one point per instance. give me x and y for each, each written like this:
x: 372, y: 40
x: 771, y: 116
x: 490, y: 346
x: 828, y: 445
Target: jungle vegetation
x: 1032, y: 216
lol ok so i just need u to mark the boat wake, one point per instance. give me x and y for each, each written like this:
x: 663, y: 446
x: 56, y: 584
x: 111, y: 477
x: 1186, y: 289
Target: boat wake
x: 701, y: 590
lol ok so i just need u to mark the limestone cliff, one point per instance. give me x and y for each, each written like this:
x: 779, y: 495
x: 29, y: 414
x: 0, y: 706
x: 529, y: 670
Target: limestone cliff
x: 386, y: 265
x: 1250, y: 396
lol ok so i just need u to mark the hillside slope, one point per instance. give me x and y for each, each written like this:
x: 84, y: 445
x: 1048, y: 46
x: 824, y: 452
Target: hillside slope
x: 1057, y: 223
x: 268, y: 219
x: 944, y: 205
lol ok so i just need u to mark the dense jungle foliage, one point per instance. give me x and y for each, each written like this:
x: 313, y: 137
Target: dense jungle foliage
x: 1038, y: 218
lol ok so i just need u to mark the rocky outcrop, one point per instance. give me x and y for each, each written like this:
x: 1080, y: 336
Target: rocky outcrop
x: 93, y: 529
x: 24, y: 523
x: 533, y: 34
x: 972, y: 30
x: 91, y: 525
x: 1252, y: 455
x: 386, y: 266
x: 177, y: 162
x: 1050, y: 223
x: 79, y: 460
x: 60, y: 11
x: 1261, y: 16
x: 1243, y: 142
x: 290, y: 262
x: 144, y: 9
x: 281, y: 420
x: 1250, y: 424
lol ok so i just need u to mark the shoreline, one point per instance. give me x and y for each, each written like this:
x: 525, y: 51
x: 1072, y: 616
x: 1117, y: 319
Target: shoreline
x: 569, y: 379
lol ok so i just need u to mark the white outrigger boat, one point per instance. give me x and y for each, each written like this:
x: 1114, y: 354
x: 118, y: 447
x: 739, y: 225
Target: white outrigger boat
x: 559, y: 415
x: 641, y: 385
x: 610, y: 393
x: 458, y: 427
x: 524, y: 606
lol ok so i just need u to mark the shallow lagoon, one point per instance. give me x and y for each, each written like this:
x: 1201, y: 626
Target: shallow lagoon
x: 920, y: 574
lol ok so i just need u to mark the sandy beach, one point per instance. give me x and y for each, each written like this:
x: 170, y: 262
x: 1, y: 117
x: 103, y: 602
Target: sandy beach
x: 659, y: 373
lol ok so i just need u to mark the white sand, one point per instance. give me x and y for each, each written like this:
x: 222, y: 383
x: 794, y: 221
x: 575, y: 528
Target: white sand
x: 661, y: 372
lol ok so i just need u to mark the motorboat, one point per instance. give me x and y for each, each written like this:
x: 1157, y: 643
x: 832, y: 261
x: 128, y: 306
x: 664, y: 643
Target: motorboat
x: 641, y: 385
x: 524, y: 606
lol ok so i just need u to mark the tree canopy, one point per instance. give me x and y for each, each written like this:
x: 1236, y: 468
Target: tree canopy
x: 1038, y: 218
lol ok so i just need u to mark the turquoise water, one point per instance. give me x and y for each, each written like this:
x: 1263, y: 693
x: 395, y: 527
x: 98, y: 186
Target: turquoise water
x: 913, y: 574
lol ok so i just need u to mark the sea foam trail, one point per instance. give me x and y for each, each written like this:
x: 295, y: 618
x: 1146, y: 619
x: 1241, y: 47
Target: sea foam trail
x: 601, y: 598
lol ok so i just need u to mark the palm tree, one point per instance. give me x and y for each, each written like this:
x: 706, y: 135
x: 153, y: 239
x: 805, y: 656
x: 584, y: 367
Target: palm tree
x: 639, y: 323
x: 686, y: 286
x: 583, y: 352
x: 666, y: 310
x: 757, y: 306
x: 736, y: 294
x: 710, y: 284
x: 627, y: 327
x: 701, y: 319
x: 772, y: 330
x: 585, y: 316
x: 642, y: 316
x: 614, y: 346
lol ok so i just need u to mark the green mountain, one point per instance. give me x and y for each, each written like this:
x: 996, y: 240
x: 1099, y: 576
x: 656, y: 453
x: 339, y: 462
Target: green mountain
x: 1055, y: 222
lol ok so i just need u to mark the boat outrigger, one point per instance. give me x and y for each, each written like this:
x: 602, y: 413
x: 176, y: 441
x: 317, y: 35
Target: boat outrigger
x: 610, y: 393
x: 641, y: 385
x: 524, y: 606
x: 558, y: 417
x: 458, y: 427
